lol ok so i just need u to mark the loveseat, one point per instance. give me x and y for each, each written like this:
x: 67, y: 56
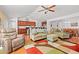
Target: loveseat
x: 37, y: 33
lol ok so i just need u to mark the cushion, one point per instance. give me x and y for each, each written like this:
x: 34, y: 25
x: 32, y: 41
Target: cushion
x: 11, y: 35
x: 9, y: 30
x: 52, y: 37
x: 17, y: 41
x: 34, y: 31
x: 41, y: 34
x: 41, y: 30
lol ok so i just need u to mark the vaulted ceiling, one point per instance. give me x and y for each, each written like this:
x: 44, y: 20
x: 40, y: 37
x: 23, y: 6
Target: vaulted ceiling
x: 31, y: 11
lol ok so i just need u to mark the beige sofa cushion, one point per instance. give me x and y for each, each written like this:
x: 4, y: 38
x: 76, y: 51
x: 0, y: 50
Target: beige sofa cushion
x: 9, y: 30
x: 19, y: 40
x: 52, y: 37
x: 11, y: 35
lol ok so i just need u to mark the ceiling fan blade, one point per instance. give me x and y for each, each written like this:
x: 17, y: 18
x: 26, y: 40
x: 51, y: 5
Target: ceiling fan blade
x: 52, y: 6
x: 40, y: 10
x: 44, y: 7
x: 52, y: 10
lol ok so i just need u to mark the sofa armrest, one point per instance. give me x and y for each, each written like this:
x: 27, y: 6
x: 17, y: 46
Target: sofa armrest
x: 6, y: 45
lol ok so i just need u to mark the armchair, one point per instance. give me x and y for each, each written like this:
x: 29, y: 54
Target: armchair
x: 11, y: 41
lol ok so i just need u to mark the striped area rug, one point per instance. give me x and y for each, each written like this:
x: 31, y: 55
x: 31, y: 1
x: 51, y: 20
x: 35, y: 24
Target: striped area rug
x: 41, y: 49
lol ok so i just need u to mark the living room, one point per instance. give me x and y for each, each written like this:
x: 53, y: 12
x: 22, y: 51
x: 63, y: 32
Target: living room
x: 39, y: 29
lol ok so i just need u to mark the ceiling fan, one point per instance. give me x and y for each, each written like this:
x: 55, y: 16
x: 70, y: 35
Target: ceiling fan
x: 46, y: 9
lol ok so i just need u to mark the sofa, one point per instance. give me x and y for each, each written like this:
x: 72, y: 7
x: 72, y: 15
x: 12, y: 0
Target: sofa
x: 37, y: 33
x: 55, y: 33
x: 10, y: 40
x: 73, y: 31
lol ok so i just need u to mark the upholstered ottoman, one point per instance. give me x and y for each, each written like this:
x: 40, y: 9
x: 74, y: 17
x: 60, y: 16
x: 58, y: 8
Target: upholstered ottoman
x: 52, y: 37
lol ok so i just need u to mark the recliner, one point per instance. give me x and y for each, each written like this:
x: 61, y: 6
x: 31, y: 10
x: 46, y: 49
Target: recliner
x: 11, y: 41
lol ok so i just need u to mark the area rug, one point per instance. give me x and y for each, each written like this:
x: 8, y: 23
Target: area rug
x: 74, y: 40
x: 75, y: 47
x: 41, y: 42
x: 31, y: 49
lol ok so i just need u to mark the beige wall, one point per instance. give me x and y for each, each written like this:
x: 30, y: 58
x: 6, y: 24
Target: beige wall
x: 3, y: 16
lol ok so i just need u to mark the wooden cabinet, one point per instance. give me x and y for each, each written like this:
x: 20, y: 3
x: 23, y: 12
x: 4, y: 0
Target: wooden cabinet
x: 24, y: 24
x: 22, y: 31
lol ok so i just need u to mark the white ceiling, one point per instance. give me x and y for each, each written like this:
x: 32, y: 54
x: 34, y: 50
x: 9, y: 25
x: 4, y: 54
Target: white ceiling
x: 18, y: 10
x: 30, y: 11
x: 60, y: 10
